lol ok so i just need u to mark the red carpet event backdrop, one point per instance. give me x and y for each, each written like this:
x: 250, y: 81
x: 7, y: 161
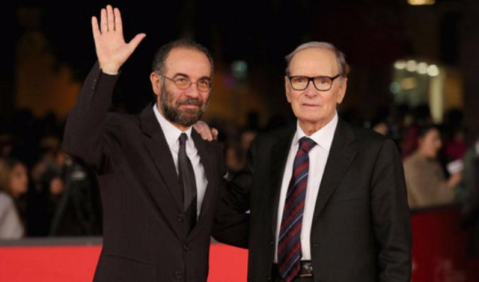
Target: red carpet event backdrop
x: 439, y: 249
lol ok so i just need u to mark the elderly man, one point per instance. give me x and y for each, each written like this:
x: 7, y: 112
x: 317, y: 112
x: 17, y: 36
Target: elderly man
x: 327, y: 201
x: 159, y: 180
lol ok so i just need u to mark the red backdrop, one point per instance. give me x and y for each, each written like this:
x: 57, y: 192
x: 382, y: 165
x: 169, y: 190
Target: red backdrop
x: 77, y: 263
x: 439, y: 246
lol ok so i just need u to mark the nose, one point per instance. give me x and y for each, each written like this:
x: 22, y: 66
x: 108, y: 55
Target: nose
x: 193, y: 91
x: 311, y: 91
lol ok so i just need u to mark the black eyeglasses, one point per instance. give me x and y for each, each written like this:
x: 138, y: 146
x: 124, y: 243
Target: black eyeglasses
x: 321, y: 83
x: 183, y: 83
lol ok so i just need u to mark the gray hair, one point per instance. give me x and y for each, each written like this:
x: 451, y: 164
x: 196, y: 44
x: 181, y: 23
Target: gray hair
x: 340, y: 59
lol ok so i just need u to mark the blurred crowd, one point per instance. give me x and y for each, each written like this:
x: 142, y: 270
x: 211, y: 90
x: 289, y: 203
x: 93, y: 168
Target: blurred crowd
x: 43, y: 192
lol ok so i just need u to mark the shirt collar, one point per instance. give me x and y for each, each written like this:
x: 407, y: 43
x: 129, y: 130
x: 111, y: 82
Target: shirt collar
x: 323, y: 137
x: 172, y: 133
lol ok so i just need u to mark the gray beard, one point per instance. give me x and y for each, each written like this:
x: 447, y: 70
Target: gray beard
x: 175, y: 115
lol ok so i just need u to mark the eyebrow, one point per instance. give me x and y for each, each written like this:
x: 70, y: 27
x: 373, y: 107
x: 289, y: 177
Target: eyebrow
x: 311, y: 76
x: 320, y: 76
x: 185, y: 75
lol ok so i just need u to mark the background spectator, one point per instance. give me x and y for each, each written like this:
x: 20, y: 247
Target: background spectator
x: 425, y: 179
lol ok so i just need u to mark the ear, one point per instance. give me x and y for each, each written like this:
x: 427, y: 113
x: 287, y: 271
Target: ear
x: 342, y: 90
x: 287, y: 88
x: 155, y: 83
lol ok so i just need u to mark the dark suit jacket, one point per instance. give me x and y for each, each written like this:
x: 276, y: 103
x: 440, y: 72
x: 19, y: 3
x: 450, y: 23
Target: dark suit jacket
x: 144, y: 233
x: 361, y: 225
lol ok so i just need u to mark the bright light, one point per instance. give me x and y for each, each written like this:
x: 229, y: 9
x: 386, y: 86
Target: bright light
x: 422, y: 68
x: 409, y: 83
x: 240, y: 66
x: 395, y: 88
x: 433, y: 70
x: 411, y: 65
x: 421, y: 2
x: 400, y: 65
x: 240, y: 69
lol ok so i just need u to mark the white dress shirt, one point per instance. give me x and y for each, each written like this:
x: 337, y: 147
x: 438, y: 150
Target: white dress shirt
x: 172, y: 135
x: 318, y: 156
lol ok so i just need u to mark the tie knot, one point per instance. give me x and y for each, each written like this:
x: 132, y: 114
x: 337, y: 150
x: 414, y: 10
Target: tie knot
x: 183, y: 138
x: 306, y: 144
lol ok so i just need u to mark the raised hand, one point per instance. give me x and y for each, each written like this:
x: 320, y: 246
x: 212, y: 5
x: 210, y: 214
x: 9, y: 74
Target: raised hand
x: 111, y: 49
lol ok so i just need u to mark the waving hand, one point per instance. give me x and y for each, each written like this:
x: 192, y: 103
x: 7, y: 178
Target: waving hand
x: 111, y: 49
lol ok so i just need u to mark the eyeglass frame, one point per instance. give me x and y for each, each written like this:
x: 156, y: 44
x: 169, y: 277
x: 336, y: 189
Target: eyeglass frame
x: 191, y: 83
x: 311, y: 78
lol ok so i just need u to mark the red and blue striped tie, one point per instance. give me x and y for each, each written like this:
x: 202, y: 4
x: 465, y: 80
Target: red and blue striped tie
x: 289, y: 243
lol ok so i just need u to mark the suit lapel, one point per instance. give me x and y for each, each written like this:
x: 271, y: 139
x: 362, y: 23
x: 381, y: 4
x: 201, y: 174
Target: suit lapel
x: 279, y: 157
x: 161, y: 156
x: 207, y: 162
x: 343, y: 151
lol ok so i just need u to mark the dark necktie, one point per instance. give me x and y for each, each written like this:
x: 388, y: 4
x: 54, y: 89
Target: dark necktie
x: 289, y: 243
x: 187, y: 181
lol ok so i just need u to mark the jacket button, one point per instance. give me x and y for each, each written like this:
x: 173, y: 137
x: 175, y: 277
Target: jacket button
x: 272, y: 242
x: 315, y: 245
x: 186, y: 248
x: 178, y: 275
x: 180, y: 219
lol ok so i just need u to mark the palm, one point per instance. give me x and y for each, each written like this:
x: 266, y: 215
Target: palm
x: 111, y: 49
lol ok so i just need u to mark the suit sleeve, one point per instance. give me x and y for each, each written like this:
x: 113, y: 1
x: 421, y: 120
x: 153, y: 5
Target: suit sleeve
x: 230, y: 225
x: 391, y: 217
x: 231, y: 219
x: 83, y: 138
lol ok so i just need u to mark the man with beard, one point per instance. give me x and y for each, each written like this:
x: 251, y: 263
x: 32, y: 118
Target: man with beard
x: 159, y: 179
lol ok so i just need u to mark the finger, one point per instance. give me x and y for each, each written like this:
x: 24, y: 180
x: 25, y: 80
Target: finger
x: 136, y: 41
x: 111, y: 18
x: 198, y: 127
x: 118, y: 22
x: 95, y: 28
x: 207, y: 135
x: 104, y: 25
x: 206, y: 131
x: 203, y: 130
x: 201, y: 126
x: 215, y: 133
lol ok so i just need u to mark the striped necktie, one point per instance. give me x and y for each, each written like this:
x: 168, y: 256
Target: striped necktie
x: 289, y: 244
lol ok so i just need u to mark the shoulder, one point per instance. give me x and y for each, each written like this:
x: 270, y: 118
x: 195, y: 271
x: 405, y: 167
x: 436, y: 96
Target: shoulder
x: 119, y: 117
x: 115, y: 120
x: 274, y: 135
x: 412, y: 160
x: 211, y: 147
x: 365, y: 138
x: 5, y: 199
x: 368, y: 135
x: 6, y: 202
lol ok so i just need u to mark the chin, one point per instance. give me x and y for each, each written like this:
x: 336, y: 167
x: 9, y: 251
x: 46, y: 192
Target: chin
x: 312, y: 119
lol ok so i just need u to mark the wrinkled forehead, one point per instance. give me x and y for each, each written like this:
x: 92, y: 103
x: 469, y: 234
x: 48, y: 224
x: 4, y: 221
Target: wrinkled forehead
x: 314, y: 62
x: 191, y: 62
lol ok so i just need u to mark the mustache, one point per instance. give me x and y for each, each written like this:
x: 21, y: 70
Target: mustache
x: 190, y: 101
